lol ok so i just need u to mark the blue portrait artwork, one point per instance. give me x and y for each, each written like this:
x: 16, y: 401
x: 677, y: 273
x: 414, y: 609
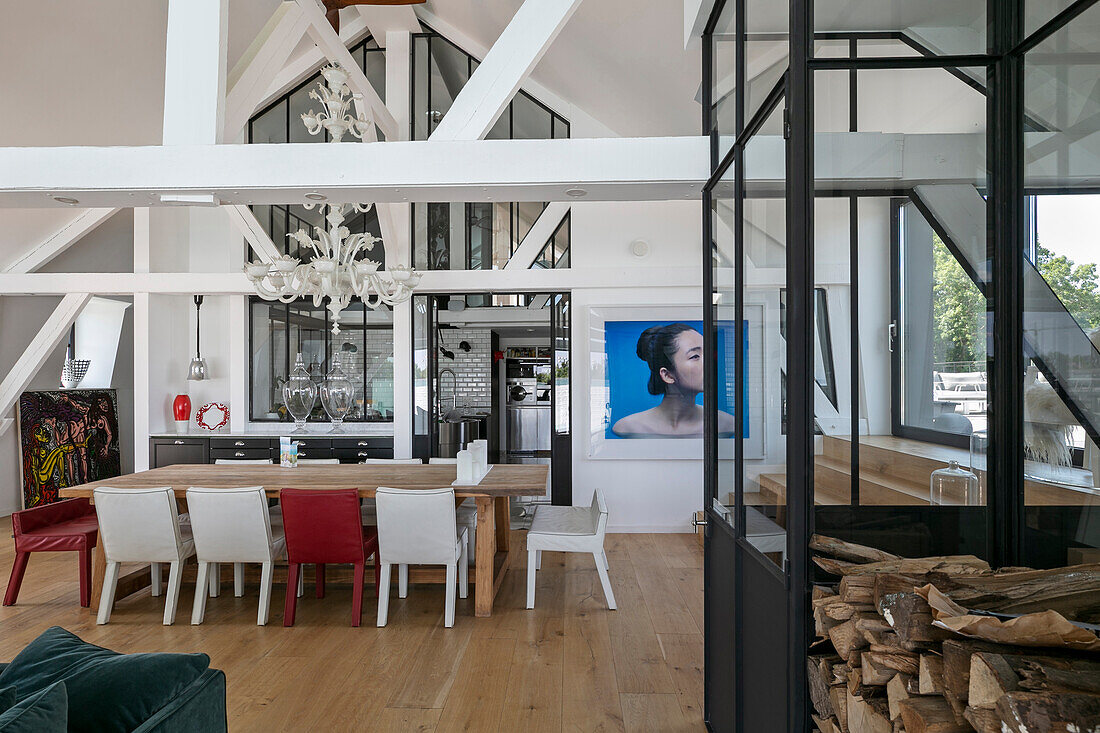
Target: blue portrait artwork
x: 654, y: 378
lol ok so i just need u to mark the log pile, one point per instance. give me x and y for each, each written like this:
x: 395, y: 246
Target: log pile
x: 881, y: 666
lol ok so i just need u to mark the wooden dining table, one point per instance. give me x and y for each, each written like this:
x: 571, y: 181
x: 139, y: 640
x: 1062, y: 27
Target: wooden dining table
x: 493, y: 542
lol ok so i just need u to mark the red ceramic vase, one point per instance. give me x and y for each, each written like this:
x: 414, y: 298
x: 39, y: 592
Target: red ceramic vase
x: 181, y: 407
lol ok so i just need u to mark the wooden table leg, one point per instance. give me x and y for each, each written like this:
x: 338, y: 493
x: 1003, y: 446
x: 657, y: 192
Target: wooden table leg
x: 484, y: 557
x: 99, y: 567
x: 504, y: 523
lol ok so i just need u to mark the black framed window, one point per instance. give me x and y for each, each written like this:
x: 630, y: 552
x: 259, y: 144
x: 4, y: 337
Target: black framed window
x: 280, y: 331
x: 475, y: 236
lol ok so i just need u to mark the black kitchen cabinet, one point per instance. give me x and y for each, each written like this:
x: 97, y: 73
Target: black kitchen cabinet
x: 166, y: 451
x: 170, y: 451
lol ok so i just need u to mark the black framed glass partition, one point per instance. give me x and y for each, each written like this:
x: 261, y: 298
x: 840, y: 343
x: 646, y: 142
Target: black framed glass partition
x: 280, y: 331
x: 917, y: 208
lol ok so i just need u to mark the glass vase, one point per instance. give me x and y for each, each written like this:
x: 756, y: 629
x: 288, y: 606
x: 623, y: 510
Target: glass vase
x: 954, y: 485
x: 299, y: 394
x: 337, y: 394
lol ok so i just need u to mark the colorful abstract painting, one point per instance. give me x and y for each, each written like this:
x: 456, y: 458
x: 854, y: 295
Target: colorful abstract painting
x: 66, y: 438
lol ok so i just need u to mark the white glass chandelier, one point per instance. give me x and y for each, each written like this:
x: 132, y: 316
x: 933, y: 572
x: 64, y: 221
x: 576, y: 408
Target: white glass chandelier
x: 337, y: 100
x: 336, y: 272
x: 339, y: 268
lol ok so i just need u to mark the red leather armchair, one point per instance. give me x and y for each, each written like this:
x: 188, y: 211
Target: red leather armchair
x: 325, y: 527
x: 64, y: 526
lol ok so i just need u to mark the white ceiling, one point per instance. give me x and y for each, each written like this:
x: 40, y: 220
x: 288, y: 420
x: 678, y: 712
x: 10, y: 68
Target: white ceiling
x: 621, y: 61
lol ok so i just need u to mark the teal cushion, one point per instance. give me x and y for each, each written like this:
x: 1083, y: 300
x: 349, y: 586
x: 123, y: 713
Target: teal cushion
x: 45, y: 711
x: 107, y: 691
x: 8, y: 698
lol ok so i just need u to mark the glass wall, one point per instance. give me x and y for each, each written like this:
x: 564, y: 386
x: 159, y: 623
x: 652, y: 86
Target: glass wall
x: 474, y: 236
x: 1061, y: 389
x: 278, y: 332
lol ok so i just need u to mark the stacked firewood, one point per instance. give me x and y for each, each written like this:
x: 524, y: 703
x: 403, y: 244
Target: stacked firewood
x: 882, y: 666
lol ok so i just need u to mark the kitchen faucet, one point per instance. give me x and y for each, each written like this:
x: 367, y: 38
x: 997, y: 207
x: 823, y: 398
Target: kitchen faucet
x: 454, y: 394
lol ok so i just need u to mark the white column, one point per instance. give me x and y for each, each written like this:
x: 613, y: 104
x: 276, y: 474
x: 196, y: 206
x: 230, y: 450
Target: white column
x: 398, y: 48
x: 238, y: 362
x: 142, y: 240
x: 194, y: 72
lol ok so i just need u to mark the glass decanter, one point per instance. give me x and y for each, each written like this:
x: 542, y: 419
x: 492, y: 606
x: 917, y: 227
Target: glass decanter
x: 337, y: 394
x: 299, y: 394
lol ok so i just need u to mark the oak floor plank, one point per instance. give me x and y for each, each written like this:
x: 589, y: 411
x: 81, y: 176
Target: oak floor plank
x: 569, y: 664
x: 684, y: 657
x: 477, y: 698
x: 654, y: 714
x: 590, y: 689
x: 413, y: 720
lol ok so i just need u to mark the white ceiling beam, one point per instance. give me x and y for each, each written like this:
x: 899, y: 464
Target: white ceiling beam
x: 607, y: 169
x: 194, y: 72
x: 433, y: 281
x: 41, y: 346
x: 61, y: 240
x: 264, y: 59
x: 306, y: 62
x: 384, y: 19
x: 330, y: 43
x: 246, y: 222
x: 537, y: 236
x: 504, y: 69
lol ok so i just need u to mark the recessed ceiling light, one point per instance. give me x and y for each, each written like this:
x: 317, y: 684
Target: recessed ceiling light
x: 576, y: 192
x: 316, y: 196
x: 65, y: 200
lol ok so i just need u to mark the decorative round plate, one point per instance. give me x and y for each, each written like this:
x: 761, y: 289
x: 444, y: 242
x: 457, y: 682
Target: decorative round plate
x: 212, y: 416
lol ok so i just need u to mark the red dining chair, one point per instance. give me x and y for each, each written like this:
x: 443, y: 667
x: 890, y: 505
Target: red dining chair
x: 65, y: 526
x: 324, y: 527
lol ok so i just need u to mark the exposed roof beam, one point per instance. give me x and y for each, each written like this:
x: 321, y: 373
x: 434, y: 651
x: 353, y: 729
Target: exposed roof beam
x: 537, y: 236
x: 264, y: 59
x: 330, y: 43
x: 61, y: 240
x: 383, y: 19
x: 194, y: 72
x: 42, y: 345
x: 503, y: 70
x: 306, y: 63
x: 548, y: 97
x: 432, y: 281
x: 245, y: 220
x: 607, y: 169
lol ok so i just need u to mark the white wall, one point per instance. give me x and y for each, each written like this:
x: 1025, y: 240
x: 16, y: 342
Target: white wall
x: 106, y: 249
x: 642, y: 495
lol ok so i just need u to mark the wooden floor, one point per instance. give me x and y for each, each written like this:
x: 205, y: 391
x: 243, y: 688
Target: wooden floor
x: 569, y: 665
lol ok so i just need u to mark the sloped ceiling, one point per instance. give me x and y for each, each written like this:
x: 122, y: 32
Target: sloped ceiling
x: 622, y: 61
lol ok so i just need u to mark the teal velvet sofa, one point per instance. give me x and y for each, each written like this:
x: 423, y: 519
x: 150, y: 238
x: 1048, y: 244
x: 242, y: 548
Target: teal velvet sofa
x: 61, y: 683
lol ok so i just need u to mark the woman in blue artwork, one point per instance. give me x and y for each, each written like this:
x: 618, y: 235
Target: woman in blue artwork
x: 674, y: 354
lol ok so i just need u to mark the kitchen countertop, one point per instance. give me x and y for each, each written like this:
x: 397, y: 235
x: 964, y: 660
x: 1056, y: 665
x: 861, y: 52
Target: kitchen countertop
x: 348, y: 432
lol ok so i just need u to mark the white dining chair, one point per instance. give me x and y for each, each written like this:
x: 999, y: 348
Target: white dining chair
x: 418, y: 528
x: 215, y: 572
x: 569, y: 529
x: 318, y: 461
x: 233, y: 525
x: 465, y: 513
x: 141, y: 525
x: 367, y: 506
